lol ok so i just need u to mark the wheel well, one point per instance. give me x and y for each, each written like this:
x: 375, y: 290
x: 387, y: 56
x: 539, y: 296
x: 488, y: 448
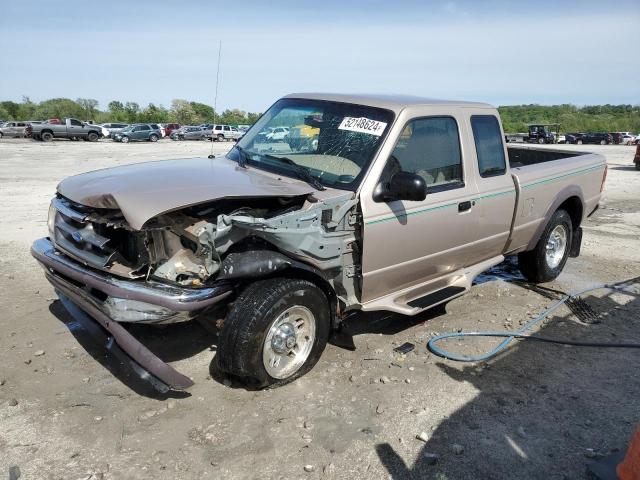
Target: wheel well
x: 46, y: 131
x: 321, y: 283
x: 573, y: 206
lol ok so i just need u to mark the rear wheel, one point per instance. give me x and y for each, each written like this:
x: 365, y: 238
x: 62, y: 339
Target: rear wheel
x: 153, y: 138
x: 546, y: 261
x: 275, y: 332
x: 46, y: 136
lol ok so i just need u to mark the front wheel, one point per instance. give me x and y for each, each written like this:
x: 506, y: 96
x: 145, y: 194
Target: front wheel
x: 541, y: 141
x: 92, y: 137
x: 275, y: 332
x: 124, y: 139
x: 546, y: 261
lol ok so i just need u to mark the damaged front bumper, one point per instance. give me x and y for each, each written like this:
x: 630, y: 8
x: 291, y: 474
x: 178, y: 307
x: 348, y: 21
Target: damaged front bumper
x: 109, y: 301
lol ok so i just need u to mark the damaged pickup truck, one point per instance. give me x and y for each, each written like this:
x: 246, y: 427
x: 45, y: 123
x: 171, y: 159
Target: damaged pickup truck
x: 394, y: 203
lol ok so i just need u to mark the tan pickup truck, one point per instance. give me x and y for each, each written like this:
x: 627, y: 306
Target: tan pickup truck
x: 397, y: 206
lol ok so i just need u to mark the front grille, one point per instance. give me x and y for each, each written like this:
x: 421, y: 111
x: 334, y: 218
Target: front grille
x: 98, y: 239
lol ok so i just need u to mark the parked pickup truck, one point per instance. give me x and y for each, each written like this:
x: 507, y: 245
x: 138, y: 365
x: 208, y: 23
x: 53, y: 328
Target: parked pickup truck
x: 70, y: 128
x: 400, y: 204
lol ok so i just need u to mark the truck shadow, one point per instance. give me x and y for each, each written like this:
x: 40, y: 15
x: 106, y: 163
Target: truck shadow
x: 169, y: 343
x: 539, y: 406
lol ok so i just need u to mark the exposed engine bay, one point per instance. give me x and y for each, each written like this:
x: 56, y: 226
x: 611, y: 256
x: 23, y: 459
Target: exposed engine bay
x: 222, y: 240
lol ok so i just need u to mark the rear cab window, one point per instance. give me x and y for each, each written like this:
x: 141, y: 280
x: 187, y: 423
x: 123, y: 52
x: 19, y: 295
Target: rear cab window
x: 489, y: 146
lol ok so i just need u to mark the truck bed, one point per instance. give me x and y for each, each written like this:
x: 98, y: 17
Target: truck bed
x: 524, y: 156
x: 542, y: 176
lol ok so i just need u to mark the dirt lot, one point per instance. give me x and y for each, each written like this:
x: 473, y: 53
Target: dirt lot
x: 68, y: 410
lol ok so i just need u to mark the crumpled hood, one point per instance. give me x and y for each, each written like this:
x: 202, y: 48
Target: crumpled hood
x: 145, y: 190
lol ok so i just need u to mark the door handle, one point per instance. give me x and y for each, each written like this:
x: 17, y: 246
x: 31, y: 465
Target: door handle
x: 464, y: 206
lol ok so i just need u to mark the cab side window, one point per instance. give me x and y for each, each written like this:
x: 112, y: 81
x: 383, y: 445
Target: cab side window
x: 75, y: 122
x: 489, y: 148
x: 430, y: 147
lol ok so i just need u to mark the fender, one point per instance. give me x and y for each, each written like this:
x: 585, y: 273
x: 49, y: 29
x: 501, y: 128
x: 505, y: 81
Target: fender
x: 565, y: 194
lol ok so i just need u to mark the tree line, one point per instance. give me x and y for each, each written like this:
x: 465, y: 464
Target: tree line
x: 591, y: 118
x: 515, y: 118
x: 87, y: 109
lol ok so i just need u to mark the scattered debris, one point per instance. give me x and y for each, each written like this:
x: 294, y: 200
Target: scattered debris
x: 423, y: 436
x: 457, y: 448
x: 406, y: 347
x: 430, y: 458
x: 590, y: 453
x: 13, y: 402
x: 384, y: 379
x: 14, y: 473
x: 38, y: 353
x: 379, y: 409
x: 308, y: 425
x: 309, y: 468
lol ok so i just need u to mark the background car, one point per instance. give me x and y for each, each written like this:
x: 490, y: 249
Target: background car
x: 13, y: 129
x: 595, y: 138
x: 171, y: 127
x: 110, y: 129
x: 160, y: 128
x: 572, y: 137
x: 224, y: 132
x: 137, y: 133
x: 189, y: 133
x: 617, y: 137
x: 278, y: 134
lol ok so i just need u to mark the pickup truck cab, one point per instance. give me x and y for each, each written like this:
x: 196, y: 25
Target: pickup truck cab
x: 398, y: 204
x: 70, y: 128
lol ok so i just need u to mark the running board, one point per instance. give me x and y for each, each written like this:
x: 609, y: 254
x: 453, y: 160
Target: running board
x: 420, y: 297
x: 436, y: 297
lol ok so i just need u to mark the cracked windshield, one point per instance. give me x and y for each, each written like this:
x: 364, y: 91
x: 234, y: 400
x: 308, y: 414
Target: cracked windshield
x: 323, y: 143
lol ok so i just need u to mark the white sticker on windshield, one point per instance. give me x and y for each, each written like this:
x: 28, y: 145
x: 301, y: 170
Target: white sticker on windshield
x: 362, y: 125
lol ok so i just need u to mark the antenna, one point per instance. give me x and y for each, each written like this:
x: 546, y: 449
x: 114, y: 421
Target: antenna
x: 215, y: 98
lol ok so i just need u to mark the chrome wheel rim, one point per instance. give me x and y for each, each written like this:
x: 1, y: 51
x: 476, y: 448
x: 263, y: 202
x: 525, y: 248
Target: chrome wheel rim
x: 289, y: 341
x: 556, y: 246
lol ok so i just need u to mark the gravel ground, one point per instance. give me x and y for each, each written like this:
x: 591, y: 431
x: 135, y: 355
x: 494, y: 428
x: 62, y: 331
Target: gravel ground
x: 68, y: 410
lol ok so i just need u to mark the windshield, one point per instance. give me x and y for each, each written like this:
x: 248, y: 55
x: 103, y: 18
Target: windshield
x: 335, y: 142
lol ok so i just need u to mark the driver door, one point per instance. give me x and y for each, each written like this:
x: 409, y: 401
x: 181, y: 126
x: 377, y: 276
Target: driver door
x: 407, y: 243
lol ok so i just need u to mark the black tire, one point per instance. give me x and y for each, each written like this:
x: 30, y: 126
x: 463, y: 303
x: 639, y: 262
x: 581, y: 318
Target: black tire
x: 541, y: 141
x: 534, y: 264
x: 1, y: 134
x: 579, y: 142
x: 240, y: 349
x: 603, y: 142
x: 220, y: 137
x: 124, y: 139
x: 153, y: 138
x: 46, y: 136
x: 92, y: 137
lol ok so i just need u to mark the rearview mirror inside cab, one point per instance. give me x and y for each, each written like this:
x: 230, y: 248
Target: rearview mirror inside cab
x: 401, y: 186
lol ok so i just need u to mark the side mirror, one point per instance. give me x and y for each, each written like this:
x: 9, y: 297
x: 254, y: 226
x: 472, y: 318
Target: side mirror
x: 402, y: 186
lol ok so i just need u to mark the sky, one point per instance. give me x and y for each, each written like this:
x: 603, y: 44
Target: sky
x: 497, y: 51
